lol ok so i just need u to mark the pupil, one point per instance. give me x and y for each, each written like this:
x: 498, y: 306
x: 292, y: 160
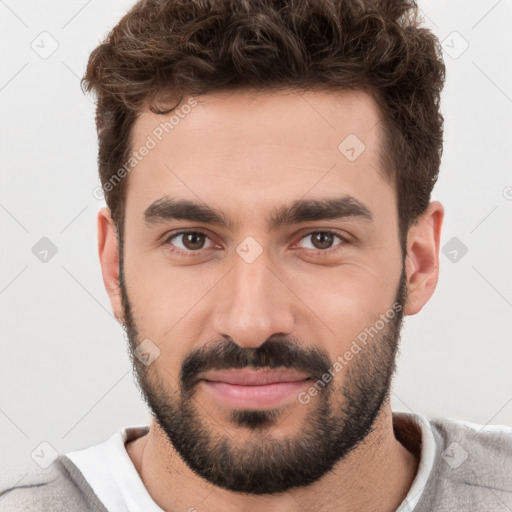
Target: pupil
x: 322, y: 237
x: 191, y: 236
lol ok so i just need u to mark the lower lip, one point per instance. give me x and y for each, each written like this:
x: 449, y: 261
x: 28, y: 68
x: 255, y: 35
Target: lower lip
x: 254, y: 397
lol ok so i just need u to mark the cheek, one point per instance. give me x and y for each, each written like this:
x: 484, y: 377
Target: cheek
x: 347, y: 299
x: 168, y: 303
x: 157, y: 287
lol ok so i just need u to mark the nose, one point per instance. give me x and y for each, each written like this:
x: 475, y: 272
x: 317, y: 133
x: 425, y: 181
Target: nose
x: 253, y: 303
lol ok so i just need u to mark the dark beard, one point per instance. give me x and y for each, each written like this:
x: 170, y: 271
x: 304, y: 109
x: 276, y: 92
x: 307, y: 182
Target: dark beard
x: 338, y: 421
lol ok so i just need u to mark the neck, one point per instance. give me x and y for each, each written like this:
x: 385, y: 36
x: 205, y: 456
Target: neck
x: 375, y: 476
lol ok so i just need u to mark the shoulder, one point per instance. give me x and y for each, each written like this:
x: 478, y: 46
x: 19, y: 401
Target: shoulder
x: 473, y: 465
x: 485, y: 450
x: 57, y: 488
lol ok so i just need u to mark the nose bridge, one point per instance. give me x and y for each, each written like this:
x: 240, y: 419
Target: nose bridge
x: 252, y: 304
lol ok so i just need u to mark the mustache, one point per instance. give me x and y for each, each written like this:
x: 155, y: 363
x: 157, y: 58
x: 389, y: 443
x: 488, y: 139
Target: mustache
x: 274, y: 353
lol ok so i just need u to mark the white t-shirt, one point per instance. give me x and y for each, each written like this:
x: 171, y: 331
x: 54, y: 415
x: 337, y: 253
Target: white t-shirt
x: 110, y: 472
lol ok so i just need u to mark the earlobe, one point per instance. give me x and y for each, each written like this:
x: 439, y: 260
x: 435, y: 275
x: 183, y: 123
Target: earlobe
x: 109, y: 260
x: 422, y: 260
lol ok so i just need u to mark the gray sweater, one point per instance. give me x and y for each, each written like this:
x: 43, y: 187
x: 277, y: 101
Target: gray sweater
x: 472, y: 472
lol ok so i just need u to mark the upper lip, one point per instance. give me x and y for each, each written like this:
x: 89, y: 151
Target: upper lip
x: 247, y: 377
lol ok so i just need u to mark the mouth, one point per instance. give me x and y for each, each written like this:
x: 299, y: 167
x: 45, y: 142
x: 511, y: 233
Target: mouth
x: 254, y: 389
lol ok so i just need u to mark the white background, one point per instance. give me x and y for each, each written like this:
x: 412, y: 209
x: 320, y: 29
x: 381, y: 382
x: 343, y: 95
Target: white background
x: 65, y: 376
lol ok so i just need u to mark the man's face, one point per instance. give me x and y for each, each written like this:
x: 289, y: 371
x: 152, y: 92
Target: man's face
x: 293, y: 290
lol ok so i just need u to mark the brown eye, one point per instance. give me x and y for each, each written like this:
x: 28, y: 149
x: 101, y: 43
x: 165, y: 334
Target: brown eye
x: 192, y: 242
x: 322, y: 240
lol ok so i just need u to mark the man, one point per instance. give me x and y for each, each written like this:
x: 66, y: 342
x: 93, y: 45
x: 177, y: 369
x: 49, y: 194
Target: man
x: 267, y: 168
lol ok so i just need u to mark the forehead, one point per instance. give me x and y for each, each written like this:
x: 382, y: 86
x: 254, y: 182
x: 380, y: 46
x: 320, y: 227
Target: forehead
x: 258, y: 149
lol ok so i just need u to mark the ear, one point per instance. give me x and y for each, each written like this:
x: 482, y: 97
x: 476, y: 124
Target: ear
x: 109, y: 260
x: 422, y: 260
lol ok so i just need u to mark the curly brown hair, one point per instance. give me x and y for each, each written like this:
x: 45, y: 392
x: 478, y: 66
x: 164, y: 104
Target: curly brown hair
x: 165, y: 49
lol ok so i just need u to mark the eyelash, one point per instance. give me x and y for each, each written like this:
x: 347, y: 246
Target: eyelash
x: 319, y: 252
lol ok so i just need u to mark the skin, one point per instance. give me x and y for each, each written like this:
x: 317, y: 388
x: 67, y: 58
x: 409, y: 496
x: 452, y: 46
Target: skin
x: 247, y: 154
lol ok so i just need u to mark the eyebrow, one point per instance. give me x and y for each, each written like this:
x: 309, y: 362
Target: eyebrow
x: 302, y: 210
